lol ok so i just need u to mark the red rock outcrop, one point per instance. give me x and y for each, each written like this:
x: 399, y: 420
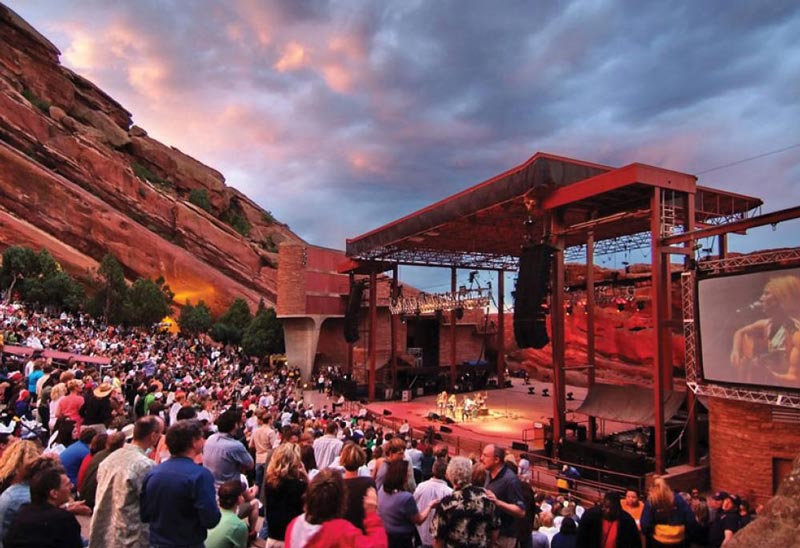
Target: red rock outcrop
x: 78, y: 178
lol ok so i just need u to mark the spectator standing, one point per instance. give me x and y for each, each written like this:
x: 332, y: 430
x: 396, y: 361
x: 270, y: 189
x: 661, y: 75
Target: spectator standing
x: 322, y: 526
x: 352, y: 459
x: 607, y: 526
x: 397, y: 507
x: 327, y: 447
x: 726, y: 522
x: 467, y: 518
x: 284, y: 485
x: 434, y: 489
x: 505, y: 490
x: 264, y: 440
x: 667, y: 519
x: 72, y: 456
x: 88, y: 489
x: 567, y: 537
x: 116, y: 521
x: 178, y: 497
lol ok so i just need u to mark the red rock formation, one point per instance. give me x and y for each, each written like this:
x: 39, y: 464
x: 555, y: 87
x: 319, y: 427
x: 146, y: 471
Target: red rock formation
x: 77, y: 178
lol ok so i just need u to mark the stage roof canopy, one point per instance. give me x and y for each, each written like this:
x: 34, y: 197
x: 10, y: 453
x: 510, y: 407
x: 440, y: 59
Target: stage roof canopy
x: 628, y: 404
x: 485, y: 226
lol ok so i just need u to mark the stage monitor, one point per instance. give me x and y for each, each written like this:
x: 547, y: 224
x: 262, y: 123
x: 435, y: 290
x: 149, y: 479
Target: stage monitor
x: 749, y: 328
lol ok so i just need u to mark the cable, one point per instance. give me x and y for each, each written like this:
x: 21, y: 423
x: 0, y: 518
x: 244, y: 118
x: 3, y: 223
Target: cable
x: 737, y: 162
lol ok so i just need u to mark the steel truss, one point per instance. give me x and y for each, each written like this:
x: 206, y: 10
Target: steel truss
x: 694, y: 378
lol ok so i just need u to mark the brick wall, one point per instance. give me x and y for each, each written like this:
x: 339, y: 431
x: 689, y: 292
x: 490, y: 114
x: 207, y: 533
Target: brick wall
x: 744, y: 440
x: 291, y: 279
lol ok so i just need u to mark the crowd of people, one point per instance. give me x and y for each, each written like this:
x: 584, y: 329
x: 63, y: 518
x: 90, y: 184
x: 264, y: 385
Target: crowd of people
x: 179, y: 442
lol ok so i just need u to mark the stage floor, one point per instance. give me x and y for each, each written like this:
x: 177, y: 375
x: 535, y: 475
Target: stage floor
x: 511, y: 411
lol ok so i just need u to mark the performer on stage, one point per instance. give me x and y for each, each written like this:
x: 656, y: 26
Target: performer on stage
x: 451, y: 406
x: 466, y: 410
x: 441, y: 403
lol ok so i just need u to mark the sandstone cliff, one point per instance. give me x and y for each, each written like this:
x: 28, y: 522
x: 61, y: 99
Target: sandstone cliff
x: 77, y: 177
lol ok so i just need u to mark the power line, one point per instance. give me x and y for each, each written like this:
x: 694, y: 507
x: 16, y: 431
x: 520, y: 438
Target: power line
x: 737, y: 162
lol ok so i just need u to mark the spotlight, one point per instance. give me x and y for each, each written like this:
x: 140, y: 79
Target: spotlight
x: 569, y: 310
x: 640, y: 305
x: 620, y: 307
x: 545, y: 393
x: 570, y: 396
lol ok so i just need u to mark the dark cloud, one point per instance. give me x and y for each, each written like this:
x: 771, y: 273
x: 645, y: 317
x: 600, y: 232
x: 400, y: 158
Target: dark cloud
x: 364, y: 111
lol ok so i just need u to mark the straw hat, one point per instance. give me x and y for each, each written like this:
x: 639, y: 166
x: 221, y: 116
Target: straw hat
x: 103, y: 390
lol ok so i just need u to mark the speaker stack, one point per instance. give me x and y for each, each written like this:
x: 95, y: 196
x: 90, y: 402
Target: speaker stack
x: 533, y: 286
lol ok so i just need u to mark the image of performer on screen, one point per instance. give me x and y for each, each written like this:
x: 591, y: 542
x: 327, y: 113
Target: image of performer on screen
x: 769, y: 349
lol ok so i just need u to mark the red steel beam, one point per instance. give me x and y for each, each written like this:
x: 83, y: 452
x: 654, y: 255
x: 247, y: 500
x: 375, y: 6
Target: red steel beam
x: 658, y: 315
x: 736, y: 226
x: 373, y: 335
x: 619, y: 178
x: 452, y: 331
x: 501, y: 330
x: 590, y: 350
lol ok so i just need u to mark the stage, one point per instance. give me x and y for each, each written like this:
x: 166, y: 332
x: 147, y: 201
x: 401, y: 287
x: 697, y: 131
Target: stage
x: 512, y: 411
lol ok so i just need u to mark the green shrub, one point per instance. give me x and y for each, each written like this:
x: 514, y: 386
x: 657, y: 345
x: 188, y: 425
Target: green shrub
x: 268, y: 217
x: 199, y: 197
x: 145, y: 174
x: 36, y: 101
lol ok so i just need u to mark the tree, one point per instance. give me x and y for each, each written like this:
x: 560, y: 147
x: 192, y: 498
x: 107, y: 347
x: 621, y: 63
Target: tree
x: 38, y: 278
x: 230, y: 327
x: 147, y: 302
x: 109, y: 302
x: 264, y: 335
x: 195, y: 319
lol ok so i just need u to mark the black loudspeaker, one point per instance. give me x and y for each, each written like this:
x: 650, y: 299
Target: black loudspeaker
x: 437, y: 436
x: 386, y: 412
x: 351, y: 314
x: 433, y: 416
x: 445, y: 429
x: 448, y: 420
x: 519, y: 446
x: 581, y: 432
x: 533, y: 286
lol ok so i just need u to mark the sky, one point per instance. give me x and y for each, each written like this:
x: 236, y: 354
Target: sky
x: 340, y: 116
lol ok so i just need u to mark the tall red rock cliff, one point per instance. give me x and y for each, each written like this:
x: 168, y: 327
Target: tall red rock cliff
x: 78, y: 178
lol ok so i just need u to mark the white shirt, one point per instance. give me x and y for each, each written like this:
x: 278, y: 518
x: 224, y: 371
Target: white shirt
x: 427, y: 491
x: 326, y: 450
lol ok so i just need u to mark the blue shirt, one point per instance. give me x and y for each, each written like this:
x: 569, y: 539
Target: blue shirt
x: 10, y: 502
x: 225, y: 457
x: 179, y: 502
x: 71, y: 459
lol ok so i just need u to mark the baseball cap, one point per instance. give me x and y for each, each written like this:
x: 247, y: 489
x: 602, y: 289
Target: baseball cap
x: 720, y: 495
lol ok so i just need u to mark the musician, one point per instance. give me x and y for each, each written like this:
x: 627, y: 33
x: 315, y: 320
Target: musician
x: 452, y: 403
x: 441, y: 403
x: 771, y: 345
x: 466, y: 410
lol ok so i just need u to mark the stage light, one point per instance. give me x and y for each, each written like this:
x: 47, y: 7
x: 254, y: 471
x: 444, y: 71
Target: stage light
x: 570, y: 396
x: 640, y: 305
x: 569, y: 310
x: 620, y: 307
x: 545, y: 393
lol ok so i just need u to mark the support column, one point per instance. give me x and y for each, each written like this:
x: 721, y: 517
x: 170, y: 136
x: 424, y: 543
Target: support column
x: 691, y: 397
x: 657, y: 292
x: 501, y: 329
x: 453, y: 273
x: 350, y: 357
x: 557, y: 342
x: 590, y: 348
x: 393, y: 327
x: 373, y: 339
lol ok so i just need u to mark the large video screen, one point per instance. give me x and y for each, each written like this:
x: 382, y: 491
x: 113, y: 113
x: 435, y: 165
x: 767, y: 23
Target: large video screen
x: 750, y: 328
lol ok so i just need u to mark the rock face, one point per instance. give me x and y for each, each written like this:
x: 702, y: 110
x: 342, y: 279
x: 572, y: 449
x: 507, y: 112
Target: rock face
x: 77, y: 177
x: 778, y: 524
